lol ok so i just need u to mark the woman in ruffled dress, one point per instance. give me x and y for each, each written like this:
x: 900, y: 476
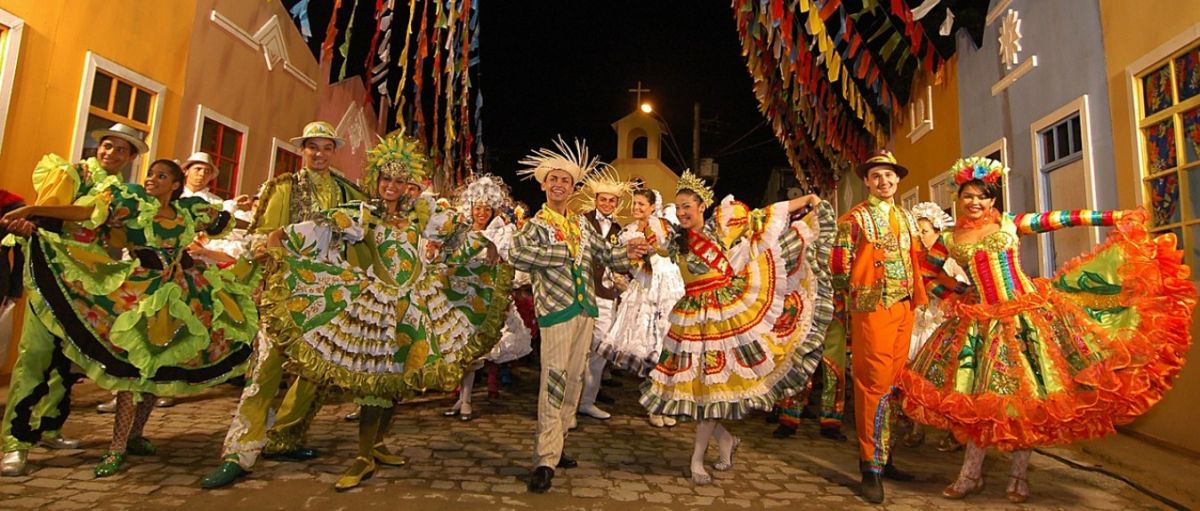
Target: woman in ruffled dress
x: 484, y: 197
x: 748, y: 330
x: 391, y: 330
x: 641, y: 321
x: 156, y: 324
x: 1024, y: 362
x: 931, y: 221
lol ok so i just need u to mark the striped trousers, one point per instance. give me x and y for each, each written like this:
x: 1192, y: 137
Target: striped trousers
x: 564, y: 354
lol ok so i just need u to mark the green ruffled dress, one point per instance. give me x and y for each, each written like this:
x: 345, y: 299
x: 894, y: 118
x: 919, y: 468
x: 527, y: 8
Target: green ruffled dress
x: 406, y: 324
x: 157, y: 321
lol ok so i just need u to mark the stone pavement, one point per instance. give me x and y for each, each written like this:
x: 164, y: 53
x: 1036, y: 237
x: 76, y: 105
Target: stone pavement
x: 624, y: 464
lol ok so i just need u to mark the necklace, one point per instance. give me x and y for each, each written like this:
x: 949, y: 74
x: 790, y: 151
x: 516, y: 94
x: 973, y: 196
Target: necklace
x: 967, y: 224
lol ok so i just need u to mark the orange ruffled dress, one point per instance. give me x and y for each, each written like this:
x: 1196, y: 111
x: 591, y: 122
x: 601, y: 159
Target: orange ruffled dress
x: 1024, y: 362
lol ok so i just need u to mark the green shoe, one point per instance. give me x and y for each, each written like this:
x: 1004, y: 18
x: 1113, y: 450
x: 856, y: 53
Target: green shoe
x: 298, y: 454
x: 223, y: 476
x: 140, y: 446
x: 111, y: 464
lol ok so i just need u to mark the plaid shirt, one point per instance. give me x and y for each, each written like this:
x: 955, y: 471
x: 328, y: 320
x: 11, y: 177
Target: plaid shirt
x: 562, y: 283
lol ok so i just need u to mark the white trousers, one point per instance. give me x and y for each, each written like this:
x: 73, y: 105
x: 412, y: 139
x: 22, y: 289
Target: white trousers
x: 595, y: 362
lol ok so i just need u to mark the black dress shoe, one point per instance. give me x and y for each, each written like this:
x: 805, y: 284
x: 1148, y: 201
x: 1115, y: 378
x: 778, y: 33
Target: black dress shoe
x: 301, y: 454
x: 565, y: 461
x: 871, y: 489
x: 891, y: 472
x: 539, y: 480
x: 784, y: 431
x: 833, y: 434
x: 603, y: 398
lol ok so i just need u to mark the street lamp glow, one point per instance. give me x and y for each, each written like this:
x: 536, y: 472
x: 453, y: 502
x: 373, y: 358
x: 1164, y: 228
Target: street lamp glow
x: 647, y: 108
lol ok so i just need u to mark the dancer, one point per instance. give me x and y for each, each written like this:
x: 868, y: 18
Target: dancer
x: 483, y: 197
x: 156, y: 324
x: 642, y: 321
x: 748, y: 330
x: 287, y: 199
x: 604, y: 194
x: 41, y: 381
x: 833, y: 383
x: 875, y: 261
x: 1022, y: 362
x: 387, y: 331
x: 558, y: 249
x: 931, y: 221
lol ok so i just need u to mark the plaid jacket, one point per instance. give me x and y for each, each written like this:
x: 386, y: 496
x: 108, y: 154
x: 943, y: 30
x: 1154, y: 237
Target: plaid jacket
x: 562, y: 284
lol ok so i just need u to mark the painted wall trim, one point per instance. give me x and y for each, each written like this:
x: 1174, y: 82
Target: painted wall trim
x: 1080, y: 105
x: 1016, y: 74
x: 11, y: 52
x: 996, y: 11
x: 91, y: 63
x: 1133, y: 93
x: 269, y: 40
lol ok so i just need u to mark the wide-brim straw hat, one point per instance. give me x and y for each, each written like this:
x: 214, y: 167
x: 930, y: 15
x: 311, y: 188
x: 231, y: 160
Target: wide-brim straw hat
x: 319, y: 129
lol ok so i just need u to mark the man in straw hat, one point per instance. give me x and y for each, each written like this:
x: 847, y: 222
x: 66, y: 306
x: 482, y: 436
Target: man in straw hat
x: 876, y: 262
x: 607, y: 191
x: 286, y: 199
x: 558, y: 248
x: 39, y: 391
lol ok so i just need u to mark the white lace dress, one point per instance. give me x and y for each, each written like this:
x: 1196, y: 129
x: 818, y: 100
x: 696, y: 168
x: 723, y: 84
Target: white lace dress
x: 515, y: 339
x: 641, y: 321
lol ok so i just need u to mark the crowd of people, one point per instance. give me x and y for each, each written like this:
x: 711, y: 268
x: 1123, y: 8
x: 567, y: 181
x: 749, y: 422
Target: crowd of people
x: 383, y: 290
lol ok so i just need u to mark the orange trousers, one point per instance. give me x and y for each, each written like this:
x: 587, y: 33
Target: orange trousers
x: 881, y: 341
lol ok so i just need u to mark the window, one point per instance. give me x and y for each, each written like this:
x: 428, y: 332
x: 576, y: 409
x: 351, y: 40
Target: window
x: 1168, y: 97
x: 910, y: 198
x: 1062, y: 142
x: 225, y: 140
x: 286, y: 158
x: 942, y: 190
x: 11, y: 28
x: 224, y: 144
x: 111, y: 94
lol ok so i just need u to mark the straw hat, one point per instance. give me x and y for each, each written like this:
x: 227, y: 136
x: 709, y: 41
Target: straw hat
x: 319, y: 129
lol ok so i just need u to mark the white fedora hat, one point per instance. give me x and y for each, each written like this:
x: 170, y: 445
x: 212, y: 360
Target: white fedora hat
x: 200, y: 157
x: 123, y: 132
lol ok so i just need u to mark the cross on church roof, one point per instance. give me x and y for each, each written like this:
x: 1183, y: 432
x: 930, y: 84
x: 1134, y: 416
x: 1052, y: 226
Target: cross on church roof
x: 639, y: 90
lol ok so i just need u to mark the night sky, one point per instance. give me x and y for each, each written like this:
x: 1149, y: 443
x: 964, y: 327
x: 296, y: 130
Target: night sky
x: 555, y: 67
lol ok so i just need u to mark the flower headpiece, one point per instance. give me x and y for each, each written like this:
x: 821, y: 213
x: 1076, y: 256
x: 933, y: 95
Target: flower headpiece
x: 484, y: 188
x: 934, y: 214
x: 398, y: 157
x: 604, y: 180
x: 690, y: 181
x: 977, y: 167
x: 574, y: 162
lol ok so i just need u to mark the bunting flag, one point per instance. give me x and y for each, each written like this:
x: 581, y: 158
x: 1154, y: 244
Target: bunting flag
x: 417, y: 65
x: 831, y: 76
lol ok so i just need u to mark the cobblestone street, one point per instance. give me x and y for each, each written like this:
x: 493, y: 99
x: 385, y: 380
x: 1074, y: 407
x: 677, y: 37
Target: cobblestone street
x: 624, y: 464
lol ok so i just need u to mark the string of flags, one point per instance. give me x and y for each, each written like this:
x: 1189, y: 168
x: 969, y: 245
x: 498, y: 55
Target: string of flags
x: 832, y: 75
x: 417, y: 60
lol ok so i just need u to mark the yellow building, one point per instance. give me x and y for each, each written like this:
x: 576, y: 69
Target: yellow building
x: 925, y: 139
x: 230, y: 77
x: 1153, y: 65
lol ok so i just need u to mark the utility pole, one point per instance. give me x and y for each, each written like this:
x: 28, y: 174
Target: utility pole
x: 696, y: 137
